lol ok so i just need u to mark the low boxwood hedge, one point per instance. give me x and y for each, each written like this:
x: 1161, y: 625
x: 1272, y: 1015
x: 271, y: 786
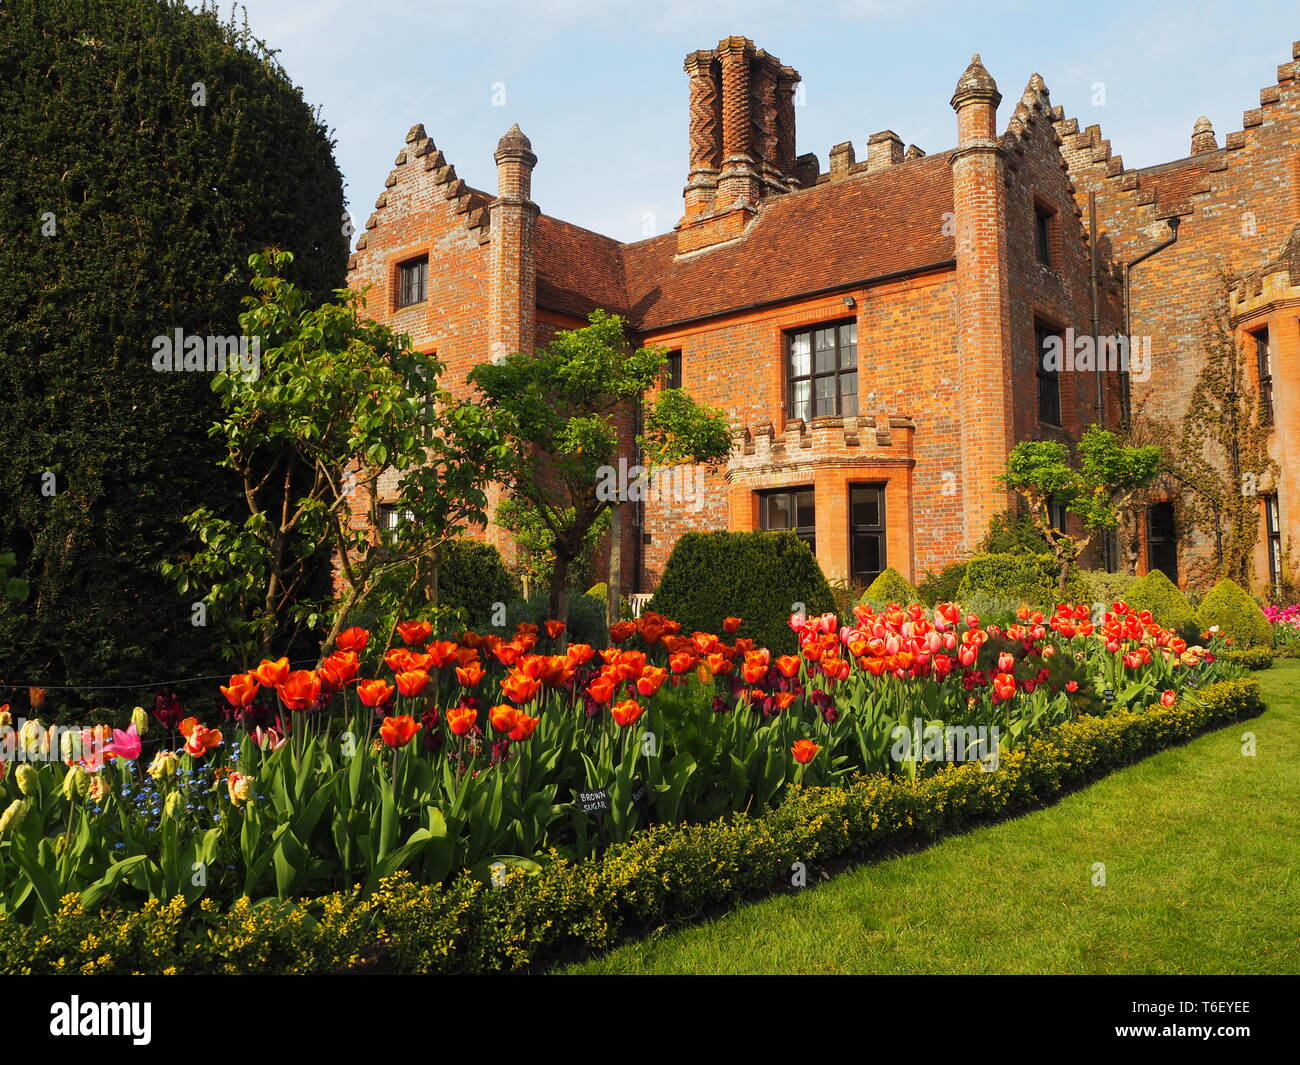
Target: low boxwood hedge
x: 1252, y: 657
x: 667, y: 875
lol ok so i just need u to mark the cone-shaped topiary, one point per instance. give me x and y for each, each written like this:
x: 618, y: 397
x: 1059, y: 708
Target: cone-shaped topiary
x: 1237, y: 615
x: 1157, y: 593
x: 890, y: 587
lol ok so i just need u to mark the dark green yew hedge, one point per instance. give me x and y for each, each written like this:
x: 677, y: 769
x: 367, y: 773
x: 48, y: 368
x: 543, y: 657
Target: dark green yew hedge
x: 127, y: 212
x: 666, y: 876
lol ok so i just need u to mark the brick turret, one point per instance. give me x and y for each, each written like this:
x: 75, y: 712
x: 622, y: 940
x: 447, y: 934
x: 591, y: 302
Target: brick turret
x: 983, y: 300
x: 512, y: 321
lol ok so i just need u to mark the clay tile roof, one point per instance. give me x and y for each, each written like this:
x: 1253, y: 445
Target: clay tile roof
x: 833, y: 235
x: 1174, y: 183
x: 839, y: 233
x: 578, y: 270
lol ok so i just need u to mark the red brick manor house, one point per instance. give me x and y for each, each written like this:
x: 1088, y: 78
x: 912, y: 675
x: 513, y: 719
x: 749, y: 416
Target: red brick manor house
x: 874, y: 329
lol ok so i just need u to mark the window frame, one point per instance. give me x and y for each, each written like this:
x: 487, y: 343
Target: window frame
x: 880, y: 530
x: 673, y: 369
x: 806, y: 533
x: 838, y: 374
x: 389, y: 517
x: 1045, y: 234
x: 1273, y: 536
x: 401, y: 288
x: 1264, y: 372
x: 1043, y: 330
x: 1169, y: 542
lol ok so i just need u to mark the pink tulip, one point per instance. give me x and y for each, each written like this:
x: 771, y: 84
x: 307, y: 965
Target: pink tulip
x: 125, y: 744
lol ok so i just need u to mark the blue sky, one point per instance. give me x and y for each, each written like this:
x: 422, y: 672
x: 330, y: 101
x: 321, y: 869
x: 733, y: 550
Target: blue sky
x: 600, y: 90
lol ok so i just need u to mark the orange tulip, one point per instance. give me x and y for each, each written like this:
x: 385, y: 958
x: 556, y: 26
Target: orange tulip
x: 374, y: 693
x: 272, y: 674
x: 719, y: 664
x: 353, y: 639
x: 524, y: 728
x: 621, y: 630
x: 300, y: 689
x: 753, y: 672
x: 412, y: 683
x: 626, y: 712
x: 788, y: 665
x: 339, y: 668
x: 519, y: 688
x: 526, y: 627
x: 413, y: 632
x: 783, y: 700
x: 681, y: 662
x: 399, y: 731
x: 469, y: 675
x: 1168, y: 698
x: 602, y: 688
x: 201, y: 739
x: 243, y: 689
x: 554, y: 628
x: 804, y: 751
x: 731, y: 626
x: 507, y: 653
x: 441, y: 652
x: 460, y: 719
x: 580, y: 653
x: 503, y: 717
x: 650, y: 679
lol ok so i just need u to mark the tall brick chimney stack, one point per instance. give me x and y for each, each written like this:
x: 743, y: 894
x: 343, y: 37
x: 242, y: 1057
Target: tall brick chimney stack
x: 1203, y: 137
x: 983, y: 304
x: 514, y: 267
x: 742, y: 138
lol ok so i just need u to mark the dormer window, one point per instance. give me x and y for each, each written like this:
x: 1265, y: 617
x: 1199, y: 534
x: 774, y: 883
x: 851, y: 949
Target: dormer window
x: 413, y: 281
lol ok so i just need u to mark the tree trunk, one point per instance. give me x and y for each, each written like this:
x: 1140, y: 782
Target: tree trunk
x: 614, y: 584
x: 559, y: 603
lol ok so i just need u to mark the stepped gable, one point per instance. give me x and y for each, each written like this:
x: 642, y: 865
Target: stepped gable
x: 421, y: 156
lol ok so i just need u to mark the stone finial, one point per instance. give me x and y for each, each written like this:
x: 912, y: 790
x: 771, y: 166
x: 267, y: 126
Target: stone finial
x: 514, y: 140
x: 416, y: 133
x: 976, y: 83
x: 1037, y: 84
x: 913, y: 152
x: 1203, y: 139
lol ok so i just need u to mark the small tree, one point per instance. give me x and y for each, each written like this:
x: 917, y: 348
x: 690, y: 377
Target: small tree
x: 1096, y: 490
x: 557, y: 410
x: 337, y: 401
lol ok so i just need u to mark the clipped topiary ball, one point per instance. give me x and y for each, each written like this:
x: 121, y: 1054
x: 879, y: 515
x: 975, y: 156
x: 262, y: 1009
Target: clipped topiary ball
x: 890, y: 587
x: 1236, y: 614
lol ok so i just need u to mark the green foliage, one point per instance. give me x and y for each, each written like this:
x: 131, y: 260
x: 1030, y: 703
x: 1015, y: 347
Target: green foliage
x: 558, y: 407
x: 757, y: 576
x: 472, y: 576
x: 890, y: 587
x: 1013, y: 532
x: 1237, y: 616
x: 586, y: 616
x: 942, y: 587
x: 1253, y: 658
x: 1157, y: 593
x: 1028, y: 579
x: 14, y: 588
x: 1095, y: 490
x: 535, y: 542
x: 129, y: 213
x: 334, y: 391
x: 667, y: 875
x: 599, y: 590
x: 1101, y: 586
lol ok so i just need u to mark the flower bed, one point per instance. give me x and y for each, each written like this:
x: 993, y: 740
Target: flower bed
x: 669, y: 874
x: 484, y: 754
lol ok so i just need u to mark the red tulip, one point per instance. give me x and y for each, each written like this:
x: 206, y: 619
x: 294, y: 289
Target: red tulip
x: 300, y: 689
x: 412, y: 683
x: 399, y: 731
x: 413, y: 632
x: 626, y: 712
x: 804, y: 751
x: 272, y: 674
x: 353, y: 639
x: 374, y: 693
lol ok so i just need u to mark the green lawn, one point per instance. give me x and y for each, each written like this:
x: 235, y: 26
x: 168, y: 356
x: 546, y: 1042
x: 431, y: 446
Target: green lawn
x: 1201, y: 847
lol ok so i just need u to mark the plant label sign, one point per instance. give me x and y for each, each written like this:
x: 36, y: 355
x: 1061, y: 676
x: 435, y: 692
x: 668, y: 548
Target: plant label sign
x: 639, y: 793
x: 594, y: 801
x: 1109, y: 695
